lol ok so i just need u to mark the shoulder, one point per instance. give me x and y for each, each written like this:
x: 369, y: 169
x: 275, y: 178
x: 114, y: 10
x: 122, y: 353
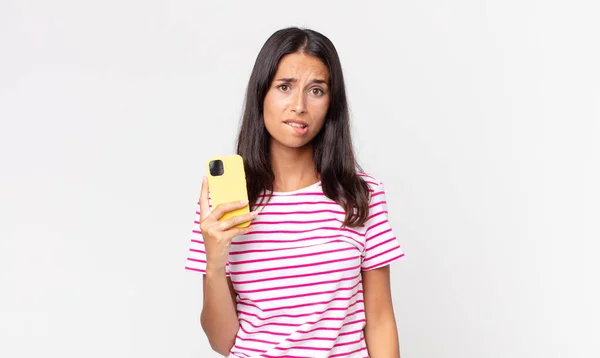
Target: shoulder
x: 373, y: 183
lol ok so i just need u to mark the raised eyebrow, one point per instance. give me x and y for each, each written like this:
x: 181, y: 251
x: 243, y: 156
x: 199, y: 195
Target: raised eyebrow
x: 292, y: 80
x: 319, y: 81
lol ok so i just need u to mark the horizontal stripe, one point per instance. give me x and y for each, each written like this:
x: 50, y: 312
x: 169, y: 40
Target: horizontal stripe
x: 320, y: 193
x: 299, y: 203
x: 381, y: 264
x: 292, y: 266
x: 298, y: 212
x: 393, y: 239
x: 254, y: 340
x: 289, y: 257
x: 297, y: 286
x: 287, y: 242
x: 303, y: 304
x: 327, y: 272
x: 278, y: 333
x: 376, y: 215
x: 347, y: 353
x: 280, y: 222
x: 360, y: 331
x: 377, y: 235
x: 281, y: 298
x: 377, y: 204
x: 257, y: 232
x: 383, y: 253
x: 300, y: 324
x: 328, y: 310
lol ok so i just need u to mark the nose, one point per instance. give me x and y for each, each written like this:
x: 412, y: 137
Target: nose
x: 298, y: 104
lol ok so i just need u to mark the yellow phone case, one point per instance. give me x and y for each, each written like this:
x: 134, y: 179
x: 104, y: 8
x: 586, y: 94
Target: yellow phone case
x: 230, y: 186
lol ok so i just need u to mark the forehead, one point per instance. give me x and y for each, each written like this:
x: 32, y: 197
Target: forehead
x: 299, y: 65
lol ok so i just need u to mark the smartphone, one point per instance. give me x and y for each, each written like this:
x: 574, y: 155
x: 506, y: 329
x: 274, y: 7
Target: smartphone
x: 226, y: 183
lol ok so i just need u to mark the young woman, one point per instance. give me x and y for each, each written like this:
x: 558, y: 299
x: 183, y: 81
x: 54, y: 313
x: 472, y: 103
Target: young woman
x: 310, y: 276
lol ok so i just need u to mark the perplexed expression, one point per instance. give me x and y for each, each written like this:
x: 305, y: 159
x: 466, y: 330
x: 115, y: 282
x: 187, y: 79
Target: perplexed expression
x: 297, y: 101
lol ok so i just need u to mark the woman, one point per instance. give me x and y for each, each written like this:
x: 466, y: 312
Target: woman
x: 310, y: 276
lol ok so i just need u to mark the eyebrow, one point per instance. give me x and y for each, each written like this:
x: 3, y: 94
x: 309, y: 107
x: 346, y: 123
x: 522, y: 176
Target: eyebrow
x: 291, y: 80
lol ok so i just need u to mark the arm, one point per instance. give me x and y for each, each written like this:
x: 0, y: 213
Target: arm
x: 219, y: 315
x: 381, y: 333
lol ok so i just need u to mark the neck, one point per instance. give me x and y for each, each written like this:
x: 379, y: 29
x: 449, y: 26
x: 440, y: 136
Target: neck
x: 294, y: 168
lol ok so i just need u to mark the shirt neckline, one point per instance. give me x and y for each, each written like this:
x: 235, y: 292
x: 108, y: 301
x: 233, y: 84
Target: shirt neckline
x: 294, y: 191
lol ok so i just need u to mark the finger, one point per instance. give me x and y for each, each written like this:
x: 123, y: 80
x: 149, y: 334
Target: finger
x: 238, y: 231
x: 204, y: 208
x: 221, y: 209
x: 236, y: 220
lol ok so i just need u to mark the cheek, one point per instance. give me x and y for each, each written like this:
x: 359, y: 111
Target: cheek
x: 320, y: 110
x: 267, y: 105
x: 272, y: 105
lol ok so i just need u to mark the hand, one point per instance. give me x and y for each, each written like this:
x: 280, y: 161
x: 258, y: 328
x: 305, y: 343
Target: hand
x: 218, y: 235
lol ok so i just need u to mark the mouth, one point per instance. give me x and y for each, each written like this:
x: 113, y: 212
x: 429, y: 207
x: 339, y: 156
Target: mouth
x: 296, y: 123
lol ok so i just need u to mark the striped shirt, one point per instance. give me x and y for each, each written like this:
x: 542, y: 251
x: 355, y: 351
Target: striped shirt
x: 297, y: 274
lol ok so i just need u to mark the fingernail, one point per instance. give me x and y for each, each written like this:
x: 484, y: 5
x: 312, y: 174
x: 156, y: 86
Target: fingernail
x: 254, y: 213
x: 244, y: 202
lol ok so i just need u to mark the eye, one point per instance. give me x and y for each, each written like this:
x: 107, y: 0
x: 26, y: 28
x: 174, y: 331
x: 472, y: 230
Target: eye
x: 283, y: 87
x: 317, y: 91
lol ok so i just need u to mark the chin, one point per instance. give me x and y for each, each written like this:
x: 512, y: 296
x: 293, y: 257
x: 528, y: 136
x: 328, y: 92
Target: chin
x: 291, y: 142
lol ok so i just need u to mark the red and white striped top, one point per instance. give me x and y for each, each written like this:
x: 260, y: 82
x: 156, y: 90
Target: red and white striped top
x: 297, y: 274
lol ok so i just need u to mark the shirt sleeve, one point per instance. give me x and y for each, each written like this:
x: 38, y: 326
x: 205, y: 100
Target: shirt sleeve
x: 381, y: 245
x: 196, y: 257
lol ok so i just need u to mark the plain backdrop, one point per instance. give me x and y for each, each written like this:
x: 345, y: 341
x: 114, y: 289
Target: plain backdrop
x: 481, y: 118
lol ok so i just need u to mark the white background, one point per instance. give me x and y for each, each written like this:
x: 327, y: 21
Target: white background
x: 481, y: 118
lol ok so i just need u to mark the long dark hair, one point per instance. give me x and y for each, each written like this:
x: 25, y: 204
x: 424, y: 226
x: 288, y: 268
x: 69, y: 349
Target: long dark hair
x: 332, y: 147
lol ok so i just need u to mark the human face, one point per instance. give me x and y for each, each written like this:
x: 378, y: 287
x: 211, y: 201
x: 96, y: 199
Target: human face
x: 296, y: 103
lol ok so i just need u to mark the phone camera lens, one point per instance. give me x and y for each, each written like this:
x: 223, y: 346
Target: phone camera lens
x: 216, y: 168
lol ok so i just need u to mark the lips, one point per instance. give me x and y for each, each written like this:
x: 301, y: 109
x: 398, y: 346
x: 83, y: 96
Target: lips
x: 299, y: 127
x: 296, y: 123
